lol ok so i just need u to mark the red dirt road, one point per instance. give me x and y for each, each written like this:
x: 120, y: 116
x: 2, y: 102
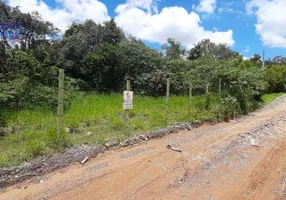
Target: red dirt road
x: 243, y: 159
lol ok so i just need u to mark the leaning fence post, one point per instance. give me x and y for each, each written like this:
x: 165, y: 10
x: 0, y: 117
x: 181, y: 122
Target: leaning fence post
x: 60, y: 104
x: 167, y: 100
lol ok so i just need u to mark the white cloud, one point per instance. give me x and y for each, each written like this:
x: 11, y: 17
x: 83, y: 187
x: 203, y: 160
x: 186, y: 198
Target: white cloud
x: 226, y: 7
x: 72, y: 10
x: 171, y: 22
x: 270, y: 24
x: 207, y: 6
x: 247, y: 49
x: 139, y: 18
x: 149, y: 5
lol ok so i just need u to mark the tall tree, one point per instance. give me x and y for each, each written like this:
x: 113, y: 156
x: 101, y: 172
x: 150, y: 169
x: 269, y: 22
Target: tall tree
x: 255, y: 58
x: 173, y: 49
x: 210, y: 49
x: 89, y: 51
x: 112, y: 33
x: 31, y: 26
x: 279, y: 60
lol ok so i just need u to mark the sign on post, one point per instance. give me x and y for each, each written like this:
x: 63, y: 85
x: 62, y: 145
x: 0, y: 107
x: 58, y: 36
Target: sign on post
x: 128, y: 100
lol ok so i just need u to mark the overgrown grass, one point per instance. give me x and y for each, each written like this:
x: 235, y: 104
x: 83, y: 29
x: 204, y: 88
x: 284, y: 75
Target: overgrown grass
x: 97, y: 118
x: 268, y: 98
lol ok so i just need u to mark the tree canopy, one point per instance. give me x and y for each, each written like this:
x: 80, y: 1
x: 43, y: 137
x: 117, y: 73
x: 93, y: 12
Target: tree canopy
x: 210, y: 49
x: 101, y: 56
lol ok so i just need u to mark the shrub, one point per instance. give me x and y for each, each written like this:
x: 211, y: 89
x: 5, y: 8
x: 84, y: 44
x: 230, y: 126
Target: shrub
x: 276, y: 78
x: 228, y: 109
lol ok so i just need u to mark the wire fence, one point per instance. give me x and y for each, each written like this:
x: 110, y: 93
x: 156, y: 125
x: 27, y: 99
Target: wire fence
x: 189, y: 93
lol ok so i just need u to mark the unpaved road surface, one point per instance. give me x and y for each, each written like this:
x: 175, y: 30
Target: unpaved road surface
x: 242, y: 159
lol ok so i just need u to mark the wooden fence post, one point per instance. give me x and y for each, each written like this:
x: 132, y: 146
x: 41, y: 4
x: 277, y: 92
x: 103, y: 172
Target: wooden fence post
x: 60, y: 104
x: 219, y: 87
x: 167, y: 100
x: 190, y: 96
x: 207, y: 100
x: 128, y: 85
x: 128, y: 88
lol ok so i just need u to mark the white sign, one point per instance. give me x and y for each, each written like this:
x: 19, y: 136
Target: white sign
x: 128, y: 100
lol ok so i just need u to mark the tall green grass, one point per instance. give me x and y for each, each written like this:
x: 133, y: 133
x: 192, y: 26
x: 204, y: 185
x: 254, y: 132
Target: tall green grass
x: 268, y: 98
x: 95, y: 118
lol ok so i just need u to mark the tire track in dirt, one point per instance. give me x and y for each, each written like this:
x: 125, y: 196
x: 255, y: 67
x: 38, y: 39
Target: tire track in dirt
x: 253, y: 187
x: 212, y: 142
x: 282, y: 188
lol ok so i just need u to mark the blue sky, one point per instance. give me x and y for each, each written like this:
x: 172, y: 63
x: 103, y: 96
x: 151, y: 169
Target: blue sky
x: 247, y: 26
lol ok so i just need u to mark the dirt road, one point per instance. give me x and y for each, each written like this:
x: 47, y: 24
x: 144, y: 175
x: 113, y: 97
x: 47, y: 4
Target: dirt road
x: 242, y: 159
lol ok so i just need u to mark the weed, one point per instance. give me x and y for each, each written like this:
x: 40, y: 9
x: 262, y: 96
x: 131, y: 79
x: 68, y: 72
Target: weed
x: 99, y: 118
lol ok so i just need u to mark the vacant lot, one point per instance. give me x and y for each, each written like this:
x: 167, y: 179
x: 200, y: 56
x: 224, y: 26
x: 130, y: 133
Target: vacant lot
x: 95, y: 118
x: 242, y: 159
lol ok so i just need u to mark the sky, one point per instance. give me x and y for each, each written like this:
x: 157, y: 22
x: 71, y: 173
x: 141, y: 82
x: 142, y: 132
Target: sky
x: 247, y: 26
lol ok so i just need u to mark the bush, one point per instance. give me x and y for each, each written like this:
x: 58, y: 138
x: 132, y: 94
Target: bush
x: 240, y: 80
x: 153, y: 83
x: 276, y: 78
x: 228, y: 109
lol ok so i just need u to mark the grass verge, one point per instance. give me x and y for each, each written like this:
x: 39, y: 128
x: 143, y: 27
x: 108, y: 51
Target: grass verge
x: 98, y: 118
x: 268, y: 98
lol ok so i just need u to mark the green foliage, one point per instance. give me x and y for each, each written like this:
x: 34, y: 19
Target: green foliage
x: 228, y: 109
x: 137, y: 58
x: 96, y: 57
x: 173, y: 49
x: 30, y: 143
x: 80, y: 40
x: 279, y: 60
x: 154, y: 83
x: 240, y: 79
x: 268, y: 98
x: 276, y: 78
x: 33, y: 26
x: 206, y: 48
x: 256, y: 59
x: 112, y: 34
x: 28, y: 83
x: 101, y: 69
x: 102, y: 115
x: 207, y: 101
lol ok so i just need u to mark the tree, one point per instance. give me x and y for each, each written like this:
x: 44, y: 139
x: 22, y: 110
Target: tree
x: 78, y: 41
x: 27, y: 83
x: 255, y: 58
x: 112, y: 34
x: 32, y: 28
x: 210, y: 49
x: 137, y: 58
x: 173, y: 49
x: 279, y: 60
x: 276, y: 78
x: 195, y: 52
x: 83, y: 39
x: 101, y: 69
x: 111, y: 65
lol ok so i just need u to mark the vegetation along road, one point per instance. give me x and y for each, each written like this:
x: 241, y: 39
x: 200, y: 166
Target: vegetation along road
x: 156, y: 150
x: 242, y: 159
